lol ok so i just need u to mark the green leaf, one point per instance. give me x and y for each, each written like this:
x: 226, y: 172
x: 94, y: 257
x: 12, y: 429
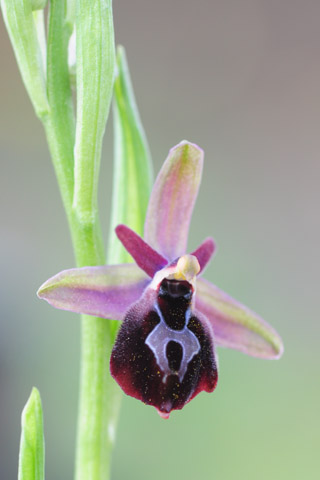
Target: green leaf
x: 38, y: 18
x: 60, y: 126
x: 71, y: 13
x: 95, y: 75
x: 20, y: 23
x: 31, y: 455
x: 38, y: 4
x: 132, y: 162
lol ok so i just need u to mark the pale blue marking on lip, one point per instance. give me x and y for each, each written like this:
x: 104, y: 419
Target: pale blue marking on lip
x: 159, y: 338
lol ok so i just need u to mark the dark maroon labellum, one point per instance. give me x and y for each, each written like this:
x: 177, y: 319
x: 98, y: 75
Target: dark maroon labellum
x: 164, y: 354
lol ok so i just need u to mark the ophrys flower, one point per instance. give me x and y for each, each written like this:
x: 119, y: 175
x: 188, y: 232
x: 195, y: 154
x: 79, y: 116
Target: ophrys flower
x: 164, y: 354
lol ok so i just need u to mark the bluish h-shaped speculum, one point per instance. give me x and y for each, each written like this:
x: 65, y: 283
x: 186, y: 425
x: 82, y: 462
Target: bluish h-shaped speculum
x: 159, y: 338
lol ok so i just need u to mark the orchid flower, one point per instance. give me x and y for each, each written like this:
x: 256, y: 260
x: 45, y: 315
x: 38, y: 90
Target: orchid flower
x: 172, y: 318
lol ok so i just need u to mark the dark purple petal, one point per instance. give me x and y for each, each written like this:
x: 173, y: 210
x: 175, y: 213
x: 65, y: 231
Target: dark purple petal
x: 172, y: 200
x: 234, y: 325
x: 148, y: 259
x: 106, y: 291
x: 204, y: 252
x: 164, y: 354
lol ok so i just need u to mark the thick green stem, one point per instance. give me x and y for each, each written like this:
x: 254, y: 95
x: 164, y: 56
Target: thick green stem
x: 99, y: 395
x: 99, y: 402
x: 98, y: 392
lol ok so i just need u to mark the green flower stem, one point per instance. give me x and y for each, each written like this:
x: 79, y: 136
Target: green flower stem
x: 99, y: 402
x: 98, y: 392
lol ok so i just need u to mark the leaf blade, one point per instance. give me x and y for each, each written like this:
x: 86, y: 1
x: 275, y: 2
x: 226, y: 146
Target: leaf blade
x: 132, y: 179
x: 19, y: 20
x: 31, y: 454
x: 95, y: 61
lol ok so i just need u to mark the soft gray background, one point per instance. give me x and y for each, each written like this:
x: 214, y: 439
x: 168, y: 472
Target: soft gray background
x: 241, y: 79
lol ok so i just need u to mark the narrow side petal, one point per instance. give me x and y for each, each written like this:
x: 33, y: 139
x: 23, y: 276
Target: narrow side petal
x: 204, y: 252
x: 172, y: 200
x: 105, y: 291
x: 234, y: 325
x: 145, y: 257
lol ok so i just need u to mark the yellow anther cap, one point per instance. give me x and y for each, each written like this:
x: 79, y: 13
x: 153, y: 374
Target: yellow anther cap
x: 187, y: 268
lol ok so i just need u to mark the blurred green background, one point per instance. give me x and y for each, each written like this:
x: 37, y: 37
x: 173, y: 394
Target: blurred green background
x: 241, y: 79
